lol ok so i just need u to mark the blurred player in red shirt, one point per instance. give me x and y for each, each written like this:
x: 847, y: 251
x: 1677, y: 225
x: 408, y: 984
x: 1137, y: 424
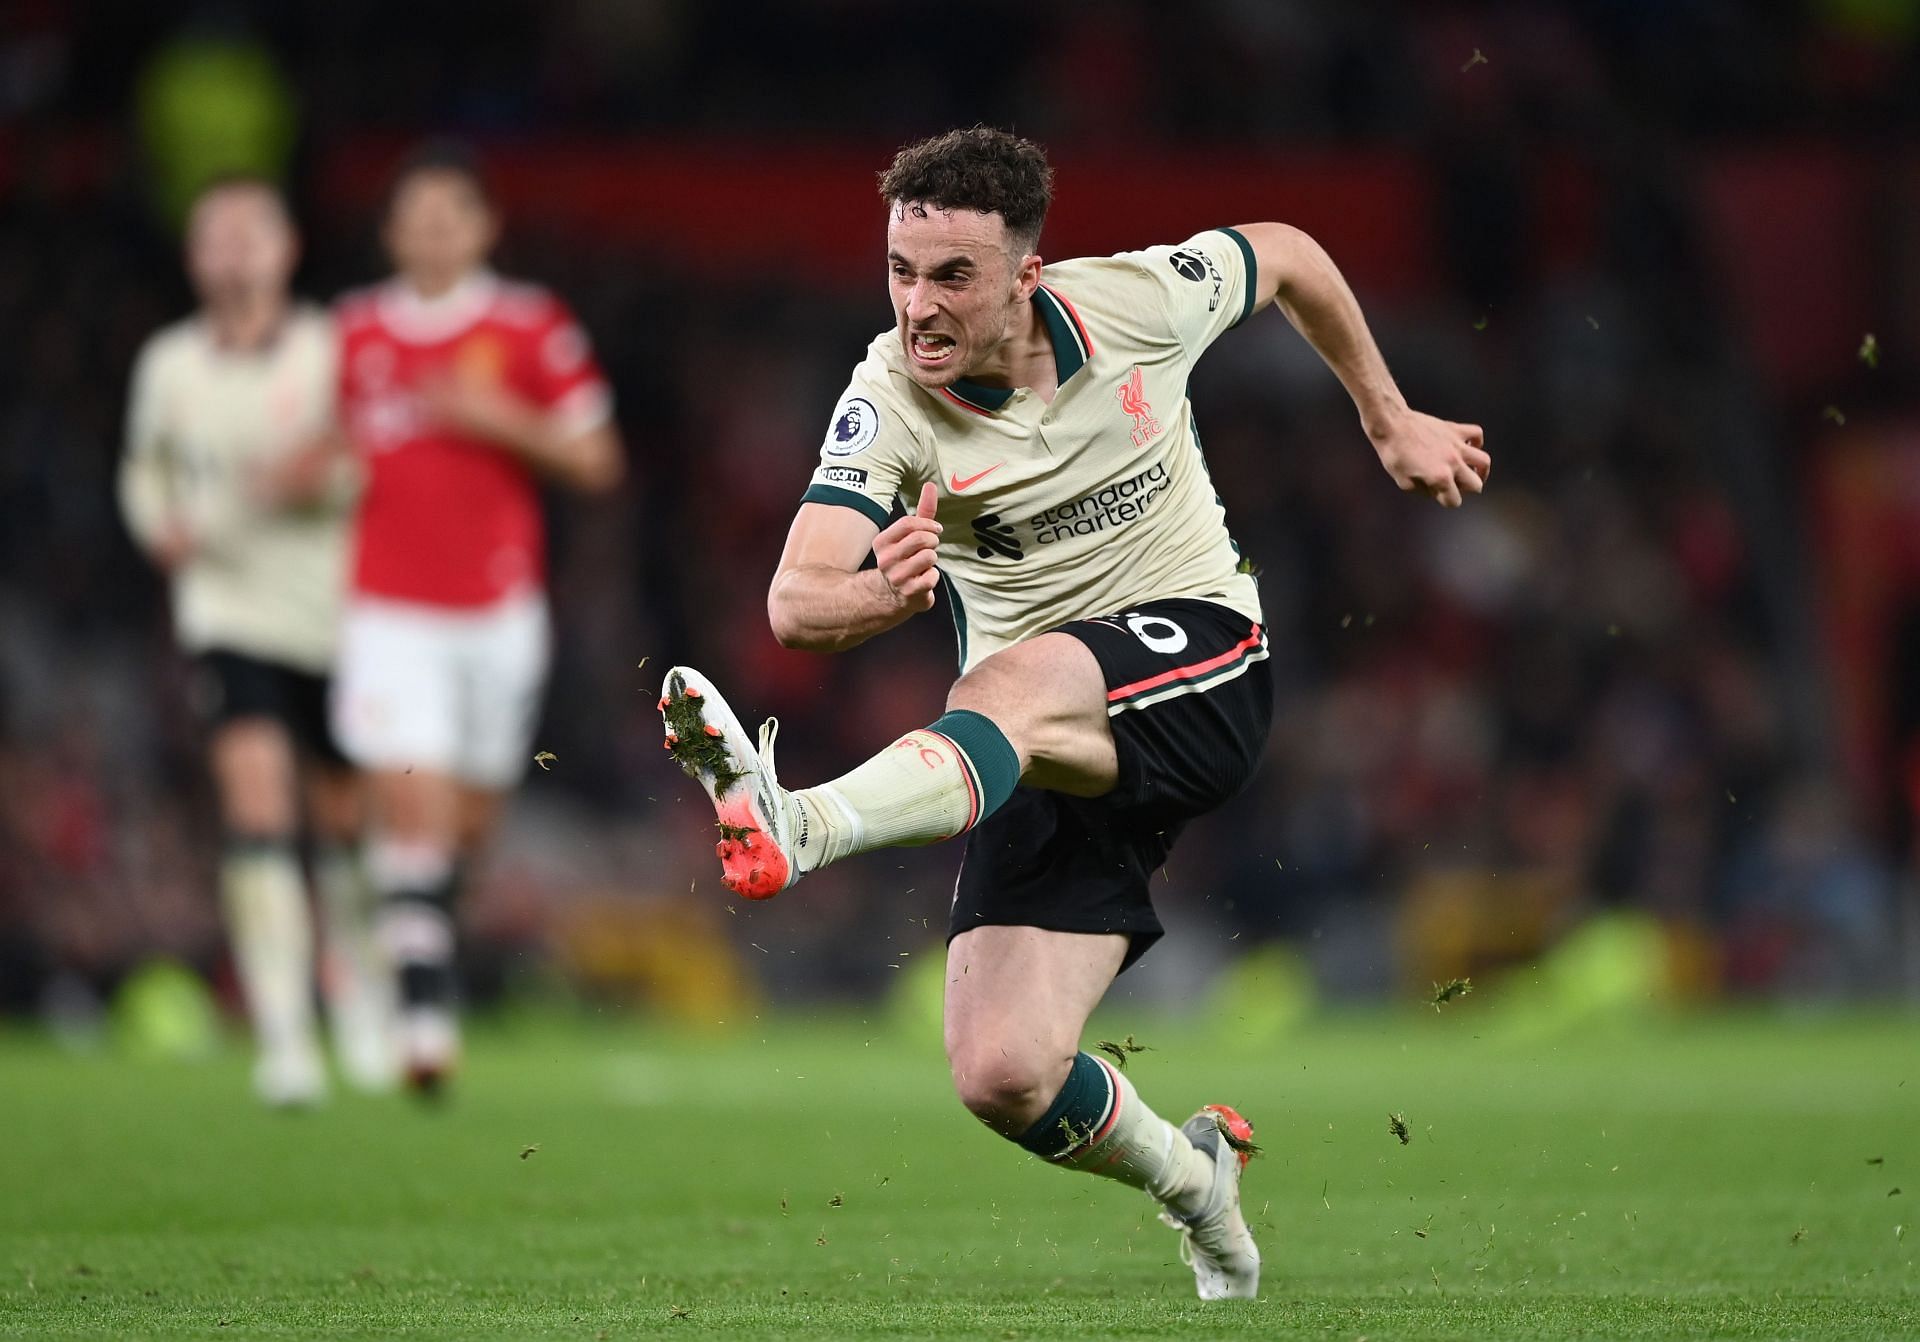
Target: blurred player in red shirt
x: 462, y: 392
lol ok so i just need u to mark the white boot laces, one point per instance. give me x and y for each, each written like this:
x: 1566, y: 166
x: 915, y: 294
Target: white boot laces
x: 769, y: 730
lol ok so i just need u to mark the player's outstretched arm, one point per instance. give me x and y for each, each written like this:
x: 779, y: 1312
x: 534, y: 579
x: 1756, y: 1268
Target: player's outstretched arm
x: 823, y: 601
x: 1441, y: 459
x: 588, y: 461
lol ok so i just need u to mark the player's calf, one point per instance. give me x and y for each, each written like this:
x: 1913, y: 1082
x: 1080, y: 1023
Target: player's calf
x: 1097, y: 1123
x: 414, y: 881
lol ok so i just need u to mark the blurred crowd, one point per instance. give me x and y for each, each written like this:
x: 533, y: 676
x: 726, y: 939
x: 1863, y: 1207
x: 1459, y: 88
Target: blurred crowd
x: 1588, y: 691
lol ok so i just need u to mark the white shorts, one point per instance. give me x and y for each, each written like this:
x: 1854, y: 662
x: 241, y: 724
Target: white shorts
x: 444, y: 689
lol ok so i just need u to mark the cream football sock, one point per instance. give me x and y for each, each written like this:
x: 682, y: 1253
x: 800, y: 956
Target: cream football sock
x: 929, y: 785
x: 1099, y: 1124
x: 358, y: 986
x: 265, y: 901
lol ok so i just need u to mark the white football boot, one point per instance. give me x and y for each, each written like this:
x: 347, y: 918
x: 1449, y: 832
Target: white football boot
x: 362, y: 1011
x: 429, y: 1049
x: 760, y: 823
x: 1215, y: 1240
x: 290, y: 1076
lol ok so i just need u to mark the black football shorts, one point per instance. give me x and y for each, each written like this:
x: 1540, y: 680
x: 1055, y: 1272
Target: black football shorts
x: 229, y: 685
x: 1190, y: 701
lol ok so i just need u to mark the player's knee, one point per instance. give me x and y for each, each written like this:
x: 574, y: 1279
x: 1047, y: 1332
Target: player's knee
x: 1003, y: 1088
x: 253, y: 773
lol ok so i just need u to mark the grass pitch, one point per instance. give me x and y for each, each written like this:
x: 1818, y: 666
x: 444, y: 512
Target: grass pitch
x: 1708, y: 1177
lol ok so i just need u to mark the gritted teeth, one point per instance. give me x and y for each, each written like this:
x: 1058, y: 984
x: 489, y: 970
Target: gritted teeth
x: 932, y: 347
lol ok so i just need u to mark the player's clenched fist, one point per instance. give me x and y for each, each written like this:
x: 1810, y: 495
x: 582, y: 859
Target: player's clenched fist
x: 1441, y: 459
x: 905, y: 553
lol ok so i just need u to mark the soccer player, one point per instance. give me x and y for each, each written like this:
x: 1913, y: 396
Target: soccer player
x: 223, y: 405
x: 461, y: 392
x: 1113, y: 665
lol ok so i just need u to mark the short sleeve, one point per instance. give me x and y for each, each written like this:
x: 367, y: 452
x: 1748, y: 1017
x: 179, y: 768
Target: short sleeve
x: 1206, y: 284
x: 866, y: 455
x: 567, y: 381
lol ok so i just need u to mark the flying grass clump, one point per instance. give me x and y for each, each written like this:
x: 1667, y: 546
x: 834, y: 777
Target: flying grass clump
x: 1235, y: 1143
x: 1446, y: 992
x: 1119, y: 1052
x: 1077, y: 1134
x: 1397, y: 1125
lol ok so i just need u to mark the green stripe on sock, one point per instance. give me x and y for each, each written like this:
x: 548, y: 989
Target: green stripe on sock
x: 993, y: 758
x: 1076, y: 1111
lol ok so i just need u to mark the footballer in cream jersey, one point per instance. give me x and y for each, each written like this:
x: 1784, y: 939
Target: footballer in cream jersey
x: 206, y: 425
x: 219, y: 485
x: 1088, y: 505
x: 1021, y: 448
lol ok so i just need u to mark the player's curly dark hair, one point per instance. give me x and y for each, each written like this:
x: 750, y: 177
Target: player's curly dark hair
x: 992, y: 171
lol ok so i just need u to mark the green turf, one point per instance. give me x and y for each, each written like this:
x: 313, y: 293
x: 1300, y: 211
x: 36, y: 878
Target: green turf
x: 1710, y: 1177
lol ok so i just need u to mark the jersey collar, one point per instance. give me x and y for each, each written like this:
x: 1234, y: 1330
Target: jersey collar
x: 426, y: 320
x: 1072, y: 347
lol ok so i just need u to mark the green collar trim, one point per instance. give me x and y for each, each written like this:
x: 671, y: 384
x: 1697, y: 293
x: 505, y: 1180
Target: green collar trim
x: 1072, y: 347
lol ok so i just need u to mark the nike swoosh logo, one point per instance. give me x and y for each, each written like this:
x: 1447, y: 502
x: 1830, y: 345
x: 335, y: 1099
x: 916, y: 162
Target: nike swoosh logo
x: 960, y: 486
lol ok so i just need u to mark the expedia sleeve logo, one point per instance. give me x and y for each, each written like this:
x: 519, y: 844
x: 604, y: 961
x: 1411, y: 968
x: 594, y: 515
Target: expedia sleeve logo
x: 1196, y: 266
x: 851, y: 476
x: 855, y: 425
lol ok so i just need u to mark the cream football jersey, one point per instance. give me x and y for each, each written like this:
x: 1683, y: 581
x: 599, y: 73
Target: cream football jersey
x: 201, y: 423
x: 1085, y: 507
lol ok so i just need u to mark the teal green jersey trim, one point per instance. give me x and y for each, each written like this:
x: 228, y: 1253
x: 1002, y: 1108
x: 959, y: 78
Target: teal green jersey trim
x: 1072, y: 346
x: 957, y: 609
x: 847, y: 498
x: 977, y: 397
x: 1253, y: 273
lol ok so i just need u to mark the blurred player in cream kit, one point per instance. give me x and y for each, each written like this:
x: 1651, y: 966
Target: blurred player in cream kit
x: 218, y: 488
x: 1032, y: 423
x: 461, y: 393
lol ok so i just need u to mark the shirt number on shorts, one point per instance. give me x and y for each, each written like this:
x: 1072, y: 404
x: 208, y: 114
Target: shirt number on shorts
x: 1157, y: 632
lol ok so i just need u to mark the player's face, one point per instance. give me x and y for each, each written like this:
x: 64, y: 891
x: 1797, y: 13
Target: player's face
x: 959, y: 288
x: 240, y: 245
x: 440, y: 227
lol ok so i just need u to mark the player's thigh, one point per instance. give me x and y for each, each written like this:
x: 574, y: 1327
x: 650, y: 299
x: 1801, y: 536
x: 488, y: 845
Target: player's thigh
x: 479, y: 816
x: 1049, y: 696
x: 503, y: 672
x: 397, y: 691
x: 336, y: 801
x: 415, y: 806
x: 1022, y: 995
x: 254, y: 769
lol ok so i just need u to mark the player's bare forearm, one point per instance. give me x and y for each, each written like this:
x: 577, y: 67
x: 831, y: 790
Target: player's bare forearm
x: 323, y: 473
x: 822, y: 600
x: 1437, y: 457
x: 589, y: 461
x: 821, y: 609
x: 1297, y: 275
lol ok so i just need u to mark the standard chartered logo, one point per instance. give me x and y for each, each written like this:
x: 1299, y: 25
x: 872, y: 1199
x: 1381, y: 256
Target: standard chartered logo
x: 1105, y: 509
